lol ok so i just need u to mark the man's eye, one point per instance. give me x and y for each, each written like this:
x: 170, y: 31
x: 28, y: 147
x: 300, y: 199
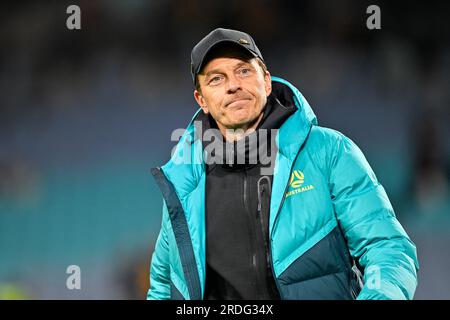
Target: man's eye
x: 245, y: 71
x: 215, y: 79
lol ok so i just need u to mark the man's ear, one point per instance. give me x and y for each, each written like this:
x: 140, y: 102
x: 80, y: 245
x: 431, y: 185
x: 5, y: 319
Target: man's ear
x: 268, y: 83
x: 201, y: 101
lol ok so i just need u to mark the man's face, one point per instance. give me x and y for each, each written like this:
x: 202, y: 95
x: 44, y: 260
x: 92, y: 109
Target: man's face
x: 234, y: 91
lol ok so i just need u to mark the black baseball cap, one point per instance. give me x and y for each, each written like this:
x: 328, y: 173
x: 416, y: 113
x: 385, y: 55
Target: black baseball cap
x: 221, y: 36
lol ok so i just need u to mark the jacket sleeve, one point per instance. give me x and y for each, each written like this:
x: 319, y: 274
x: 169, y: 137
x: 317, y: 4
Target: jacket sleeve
x: 375, y: 238
x: 159, y: 268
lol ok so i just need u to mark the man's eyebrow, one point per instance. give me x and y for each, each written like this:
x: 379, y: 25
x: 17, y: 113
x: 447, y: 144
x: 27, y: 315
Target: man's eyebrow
x: 210, y: 72
x: 242, y: 63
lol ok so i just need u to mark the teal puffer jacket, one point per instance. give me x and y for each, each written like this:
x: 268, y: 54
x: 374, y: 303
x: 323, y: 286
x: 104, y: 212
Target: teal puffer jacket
x: 330, y: 218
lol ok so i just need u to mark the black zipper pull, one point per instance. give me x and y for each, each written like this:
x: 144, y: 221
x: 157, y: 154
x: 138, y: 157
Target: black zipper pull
x: 260, y: 191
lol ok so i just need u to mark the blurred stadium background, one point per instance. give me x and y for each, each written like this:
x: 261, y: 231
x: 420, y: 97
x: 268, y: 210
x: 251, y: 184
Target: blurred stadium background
x: 85, y: 114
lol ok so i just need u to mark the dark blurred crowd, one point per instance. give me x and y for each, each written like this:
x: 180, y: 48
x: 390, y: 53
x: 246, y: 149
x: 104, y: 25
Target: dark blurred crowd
x: 135, y: 54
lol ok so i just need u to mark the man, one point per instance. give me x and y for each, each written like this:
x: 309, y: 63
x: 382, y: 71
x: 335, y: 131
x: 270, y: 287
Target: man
x: 313, y: 222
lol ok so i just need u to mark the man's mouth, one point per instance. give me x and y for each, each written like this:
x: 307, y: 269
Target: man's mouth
x: 237, y: 103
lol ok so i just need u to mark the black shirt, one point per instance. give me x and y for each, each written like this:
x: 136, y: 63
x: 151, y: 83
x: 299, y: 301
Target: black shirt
x: 237, y: 216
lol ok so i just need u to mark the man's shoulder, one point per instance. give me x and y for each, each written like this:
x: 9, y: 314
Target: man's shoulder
x: 331, y: 144
x: 326, y: 143
x: 325, y: 137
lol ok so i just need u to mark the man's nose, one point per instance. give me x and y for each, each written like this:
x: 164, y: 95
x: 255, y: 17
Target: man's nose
x: 233, y: 84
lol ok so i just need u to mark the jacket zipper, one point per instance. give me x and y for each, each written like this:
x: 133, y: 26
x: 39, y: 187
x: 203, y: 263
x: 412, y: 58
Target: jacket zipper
x: 252, y: 235
x: 266, y: 238
x: 261, y: 220
x: 193, y: 277
x: 245, y: 190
